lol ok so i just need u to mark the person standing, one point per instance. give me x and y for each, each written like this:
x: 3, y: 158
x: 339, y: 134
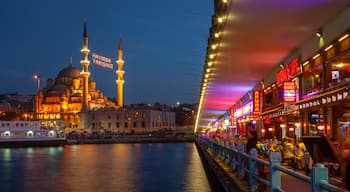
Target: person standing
x: 252, y: 138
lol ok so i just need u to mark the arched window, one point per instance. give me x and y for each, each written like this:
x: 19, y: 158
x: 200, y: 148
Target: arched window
x: 30, y: 133
x: 51, y: 133
x: 7, y: 133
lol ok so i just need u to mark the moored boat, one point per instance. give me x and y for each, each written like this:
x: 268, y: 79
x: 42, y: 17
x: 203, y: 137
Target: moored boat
x: 32, y: 133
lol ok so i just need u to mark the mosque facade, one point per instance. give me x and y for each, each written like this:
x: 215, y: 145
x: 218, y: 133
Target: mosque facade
x: 62, y: 98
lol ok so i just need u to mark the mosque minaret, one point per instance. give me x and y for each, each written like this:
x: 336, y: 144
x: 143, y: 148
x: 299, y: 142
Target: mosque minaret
x: 120, y: 75
x: 85, y: 70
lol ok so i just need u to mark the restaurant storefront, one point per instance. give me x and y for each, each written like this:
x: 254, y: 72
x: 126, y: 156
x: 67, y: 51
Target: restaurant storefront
x: 282, y: 121
x: 326, y: 111
x: 325, y: 102
x: 280, y: 114
x: 248, y: 113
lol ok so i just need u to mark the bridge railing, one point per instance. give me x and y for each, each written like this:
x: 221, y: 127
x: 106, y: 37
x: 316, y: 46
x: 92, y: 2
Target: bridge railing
x: 260, y: 172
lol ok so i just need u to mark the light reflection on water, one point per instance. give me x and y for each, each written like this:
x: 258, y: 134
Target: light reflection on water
x: 116, y: 167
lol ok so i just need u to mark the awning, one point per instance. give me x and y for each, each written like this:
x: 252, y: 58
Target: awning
x: 274, y: 109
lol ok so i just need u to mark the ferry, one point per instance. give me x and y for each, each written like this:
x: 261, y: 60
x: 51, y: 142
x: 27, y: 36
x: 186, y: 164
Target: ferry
x: 32, y: 133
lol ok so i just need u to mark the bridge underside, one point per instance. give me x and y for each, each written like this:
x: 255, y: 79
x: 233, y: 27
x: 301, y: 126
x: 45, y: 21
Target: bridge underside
x: 257, y: 36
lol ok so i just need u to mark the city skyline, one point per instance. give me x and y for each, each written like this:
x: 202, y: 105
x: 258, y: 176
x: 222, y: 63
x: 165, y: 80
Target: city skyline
x: 164, y: 45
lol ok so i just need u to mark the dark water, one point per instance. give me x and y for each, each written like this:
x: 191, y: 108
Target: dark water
x: 116, y: 167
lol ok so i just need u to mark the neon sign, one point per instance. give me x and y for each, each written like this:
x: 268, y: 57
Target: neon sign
x: 239, y: 112
x: 232, y: 116
x: 246, y: 109
x: 288, y: 71
x: 289, y: 91
x: 256, y: 101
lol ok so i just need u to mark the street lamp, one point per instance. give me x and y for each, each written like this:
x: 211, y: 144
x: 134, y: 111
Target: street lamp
x: 37, y: 78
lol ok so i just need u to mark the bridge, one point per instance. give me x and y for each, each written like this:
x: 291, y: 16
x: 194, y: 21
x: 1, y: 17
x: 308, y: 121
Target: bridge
x: 249, y: 40
x: 256, y: 51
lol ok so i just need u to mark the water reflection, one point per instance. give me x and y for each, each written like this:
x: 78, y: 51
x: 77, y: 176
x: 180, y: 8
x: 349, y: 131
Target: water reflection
x: 195, y: 174
x: 114, y: 167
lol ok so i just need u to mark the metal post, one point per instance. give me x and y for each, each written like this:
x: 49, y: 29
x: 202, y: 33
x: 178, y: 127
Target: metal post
x: 223, y: 154
x: 209, y: 144
x: 240, y: 161
x: 253, y: 154
x: 319, y: 172
x: 37, y: 78
x: 219, y: 151
x: 275, y: 175
x: 215, y: 149
x: 232, y: 160
x: 227, y: 155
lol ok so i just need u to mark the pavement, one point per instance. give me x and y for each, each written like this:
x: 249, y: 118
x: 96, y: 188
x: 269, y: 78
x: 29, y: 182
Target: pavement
x: 290, y: 183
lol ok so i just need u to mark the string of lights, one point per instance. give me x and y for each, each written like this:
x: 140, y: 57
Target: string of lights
x: 219, y: 18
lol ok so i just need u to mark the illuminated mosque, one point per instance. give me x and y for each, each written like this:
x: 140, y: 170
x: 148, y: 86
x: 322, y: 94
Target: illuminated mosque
x: 74, y: 98
x: 72, y: 92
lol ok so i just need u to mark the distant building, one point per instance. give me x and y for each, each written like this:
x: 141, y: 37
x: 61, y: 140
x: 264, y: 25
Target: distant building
x: 15, y: 102
x: 185, y: 115
x: 132, y: 119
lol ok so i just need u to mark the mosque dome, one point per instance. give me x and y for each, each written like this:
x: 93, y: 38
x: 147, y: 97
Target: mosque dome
x: 70, y: 72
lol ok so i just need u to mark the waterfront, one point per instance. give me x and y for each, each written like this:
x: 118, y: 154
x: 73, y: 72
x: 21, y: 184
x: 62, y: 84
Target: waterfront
x: 168, y: 167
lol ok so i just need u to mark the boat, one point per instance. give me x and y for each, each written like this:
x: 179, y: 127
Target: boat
x: 32, y: 133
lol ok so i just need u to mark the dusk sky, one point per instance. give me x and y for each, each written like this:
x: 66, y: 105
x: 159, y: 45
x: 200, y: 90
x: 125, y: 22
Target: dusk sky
x: 164, y: 44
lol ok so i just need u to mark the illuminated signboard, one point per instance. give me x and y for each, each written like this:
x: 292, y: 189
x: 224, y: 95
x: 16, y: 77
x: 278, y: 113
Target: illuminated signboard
x: 256, y: 101
x: 232, y: 116
x: 246, y: 109
x: 239, y: 112
x: 288, y: 71
x: 102, y: 61
x: 289, y: 91
x: 226, y: 122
